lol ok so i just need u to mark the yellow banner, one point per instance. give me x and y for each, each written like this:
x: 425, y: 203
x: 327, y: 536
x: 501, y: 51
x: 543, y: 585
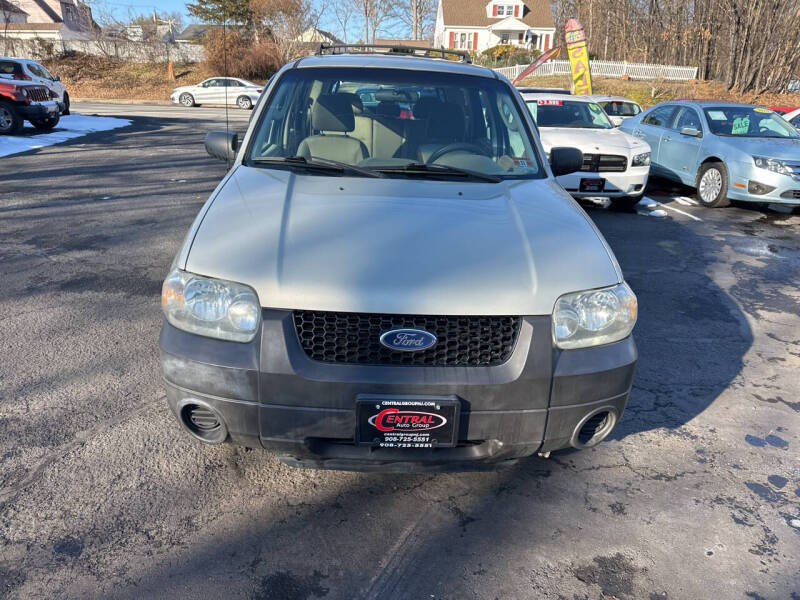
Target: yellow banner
x: 578, y: 58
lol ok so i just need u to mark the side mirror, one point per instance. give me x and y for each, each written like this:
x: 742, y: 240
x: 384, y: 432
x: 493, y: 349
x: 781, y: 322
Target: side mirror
x: 564, y: 161
x: 615, y: 121
x: 57, y: 78
x: 222, y: 144
x: 691, y: 131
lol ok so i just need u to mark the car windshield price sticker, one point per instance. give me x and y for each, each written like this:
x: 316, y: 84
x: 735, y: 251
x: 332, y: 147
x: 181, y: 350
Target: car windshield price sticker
x: 407, y: 424
x: 549, y: 102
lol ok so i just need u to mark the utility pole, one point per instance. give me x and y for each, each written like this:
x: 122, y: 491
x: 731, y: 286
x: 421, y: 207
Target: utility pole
x: 415, y: 17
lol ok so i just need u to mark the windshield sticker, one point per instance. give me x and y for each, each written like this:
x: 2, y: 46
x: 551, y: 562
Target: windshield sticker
x: 762, y: 110
x: 549, y: 102
x: 717, y: 115
x: 741, y: 125
x: 521, y: 161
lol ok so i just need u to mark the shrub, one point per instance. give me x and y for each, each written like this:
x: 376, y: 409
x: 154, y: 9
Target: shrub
x: 236, y: 55
x: 507, y: 55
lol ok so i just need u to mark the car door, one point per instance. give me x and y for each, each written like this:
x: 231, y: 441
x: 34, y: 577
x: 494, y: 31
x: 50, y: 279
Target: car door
x: 207, y: 91
x: 678, y: 152
x: 651, y: 127
x: 36, y: 74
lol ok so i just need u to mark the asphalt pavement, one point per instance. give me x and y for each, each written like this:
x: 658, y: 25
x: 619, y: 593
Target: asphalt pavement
x: 695, y: 495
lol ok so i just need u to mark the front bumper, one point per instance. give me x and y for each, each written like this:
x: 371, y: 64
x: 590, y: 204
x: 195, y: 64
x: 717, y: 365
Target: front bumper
x: 786, y: 187
x: 628, y: 183
x: 269, y: 393
x: 37, y: 111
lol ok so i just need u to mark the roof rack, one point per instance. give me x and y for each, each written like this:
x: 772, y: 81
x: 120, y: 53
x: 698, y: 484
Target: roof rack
x: 389, y: 49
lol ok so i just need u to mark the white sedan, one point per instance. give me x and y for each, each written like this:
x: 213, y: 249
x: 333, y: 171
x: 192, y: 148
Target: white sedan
x: 616, y: 165
x: 793, y: 118
x: 218, y: 90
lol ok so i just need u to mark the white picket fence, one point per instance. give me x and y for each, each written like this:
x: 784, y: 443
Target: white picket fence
x: 608, y: 68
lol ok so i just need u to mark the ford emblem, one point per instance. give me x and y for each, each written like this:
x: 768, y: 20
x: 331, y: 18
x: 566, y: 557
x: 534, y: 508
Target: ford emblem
x: 408, y: 340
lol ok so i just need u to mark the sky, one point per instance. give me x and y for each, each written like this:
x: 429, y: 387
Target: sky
x: 122, y: 9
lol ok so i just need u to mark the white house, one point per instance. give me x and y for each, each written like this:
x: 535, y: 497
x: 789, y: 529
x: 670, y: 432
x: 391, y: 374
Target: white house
x: 11, y: 13
x: 478, y: 24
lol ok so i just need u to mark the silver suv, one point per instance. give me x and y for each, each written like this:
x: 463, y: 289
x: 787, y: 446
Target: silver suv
x: 400, y: 286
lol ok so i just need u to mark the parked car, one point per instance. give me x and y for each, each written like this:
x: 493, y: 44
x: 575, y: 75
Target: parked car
x: 726, y: 151
x: 618, y: 108
x: 615, y: 165
x: 395, y: 293
x: 793, y: 118
x: 25, y: 69
x: 21, y: 101
x: 218, y: 90
x: 782, y: 110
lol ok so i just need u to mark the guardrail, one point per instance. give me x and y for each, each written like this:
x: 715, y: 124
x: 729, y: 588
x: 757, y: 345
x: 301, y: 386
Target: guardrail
x: 608, y: 68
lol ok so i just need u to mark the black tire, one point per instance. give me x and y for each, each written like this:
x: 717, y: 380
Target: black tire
x: 46, y: 124
x: 66, y: 104
x: 11, y: 121
x: 712, y: 185
x: 244, y: 103
x: 187, y: 100
x: 625, y: 203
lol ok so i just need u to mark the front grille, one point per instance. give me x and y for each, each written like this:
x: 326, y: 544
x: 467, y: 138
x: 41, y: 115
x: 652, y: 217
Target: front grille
x: 791, y: 194
x: 599, y: 163
x: 354, y: 338
x: 38, y: 94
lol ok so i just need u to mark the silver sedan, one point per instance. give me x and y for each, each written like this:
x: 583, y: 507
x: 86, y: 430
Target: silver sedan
x: 219, y: 90
x: 726, y: 151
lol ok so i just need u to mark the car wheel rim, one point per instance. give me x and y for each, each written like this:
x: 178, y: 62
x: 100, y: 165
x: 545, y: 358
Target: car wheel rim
x: 186, y: 100
x: 244, y: 103
x: 5, y: 119
x: 710, y: 185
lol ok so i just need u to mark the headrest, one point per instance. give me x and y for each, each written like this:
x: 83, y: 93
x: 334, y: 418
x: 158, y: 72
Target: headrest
x: 355, y: 100
x: 388, y: 109
x: 426, y: 106
x: 333, y: 112
x: 391, y: 96
x: 446, y: 122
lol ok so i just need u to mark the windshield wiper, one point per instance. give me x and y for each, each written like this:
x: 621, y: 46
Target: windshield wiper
x: 314, y: 163
x: 438, y: 170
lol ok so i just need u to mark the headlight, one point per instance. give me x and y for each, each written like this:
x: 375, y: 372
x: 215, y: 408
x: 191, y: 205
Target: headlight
x: 641, y: 160
x: 210, y: 307
x: 594, y: 317
x: 772, y: 164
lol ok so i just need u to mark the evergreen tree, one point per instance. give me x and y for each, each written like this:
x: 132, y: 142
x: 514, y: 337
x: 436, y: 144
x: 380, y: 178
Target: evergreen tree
x: 218, y: 11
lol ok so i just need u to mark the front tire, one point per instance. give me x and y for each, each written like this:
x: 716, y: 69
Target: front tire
x: 244, y: 103
x: 46, y: 124
x: 712, y: 185
x: 187, y: 100
x: 10, y: 120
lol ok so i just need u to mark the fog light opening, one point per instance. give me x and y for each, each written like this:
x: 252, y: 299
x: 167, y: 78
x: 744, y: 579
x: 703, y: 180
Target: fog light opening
x: 759, y: 189
x: 203, y: 421
x: 594, y: 428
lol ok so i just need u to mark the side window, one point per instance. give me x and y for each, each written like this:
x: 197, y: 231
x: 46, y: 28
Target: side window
x: 8, y: 68
x: 688, y: 117
x: 597, y: 115
x: 45, y: 73
x: 796, y: 121
x: 660, y: 117
x: 213, y: 83
x: 35, y: 70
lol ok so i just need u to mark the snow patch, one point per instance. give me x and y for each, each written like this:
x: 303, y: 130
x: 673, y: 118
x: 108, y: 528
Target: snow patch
x: 647, y: 203
x: 68, y: 128
x: 685, y: 201
x: 653, y: 213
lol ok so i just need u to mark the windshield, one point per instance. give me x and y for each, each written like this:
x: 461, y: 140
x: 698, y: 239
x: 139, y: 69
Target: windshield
x: 388, y: 120
x: 618, y: 108
x: 748, y: 121
x: 568, y: 113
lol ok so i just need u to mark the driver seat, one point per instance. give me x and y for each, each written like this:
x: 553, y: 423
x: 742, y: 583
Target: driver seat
x: 333, y: 117
x: 446, y: 125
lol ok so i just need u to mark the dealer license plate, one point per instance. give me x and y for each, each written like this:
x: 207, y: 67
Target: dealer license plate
x: 592, y: 185
x: 407, y: 423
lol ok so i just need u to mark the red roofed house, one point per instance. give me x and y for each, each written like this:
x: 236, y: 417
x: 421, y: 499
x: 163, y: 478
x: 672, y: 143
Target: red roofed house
x: 480, y: 24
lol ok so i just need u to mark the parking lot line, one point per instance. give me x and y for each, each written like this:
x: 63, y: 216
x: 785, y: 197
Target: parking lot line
x: 677, y: 210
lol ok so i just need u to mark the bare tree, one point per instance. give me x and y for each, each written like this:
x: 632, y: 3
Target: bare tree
x: 374, y: 14
x: 419, y: 16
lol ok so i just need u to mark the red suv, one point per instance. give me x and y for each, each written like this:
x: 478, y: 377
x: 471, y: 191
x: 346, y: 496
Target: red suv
x: 21, y: 102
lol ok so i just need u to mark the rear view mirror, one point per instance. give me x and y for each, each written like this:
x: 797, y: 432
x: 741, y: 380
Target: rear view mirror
x: 691, y: 131
x: 564, y: 161
x: 222, y: 144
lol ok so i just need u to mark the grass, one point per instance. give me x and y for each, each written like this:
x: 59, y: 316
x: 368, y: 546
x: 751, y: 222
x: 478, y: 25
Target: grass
x: 648, y: 93
x: 108, y: 78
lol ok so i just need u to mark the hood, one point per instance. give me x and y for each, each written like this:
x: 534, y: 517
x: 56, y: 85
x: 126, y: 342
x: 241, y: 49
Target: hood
x: 593, y: 141
x: 780, y: 148
x: 398, y: 245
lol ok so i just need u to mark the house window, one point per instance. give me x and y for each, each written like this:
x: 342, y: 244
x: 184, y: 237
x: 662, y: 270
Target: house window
x: 501, y: 10
x: 504, y: 38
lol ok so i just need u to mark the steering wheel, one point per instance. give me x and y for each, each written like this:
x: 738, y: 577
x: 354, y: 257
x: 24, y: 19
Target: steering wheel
x: 458, y: 147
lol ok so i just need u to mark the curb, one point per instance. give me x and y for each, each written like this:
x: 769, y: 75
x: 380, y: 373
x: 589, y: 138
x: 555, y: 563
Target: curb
x: 115, y: 101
